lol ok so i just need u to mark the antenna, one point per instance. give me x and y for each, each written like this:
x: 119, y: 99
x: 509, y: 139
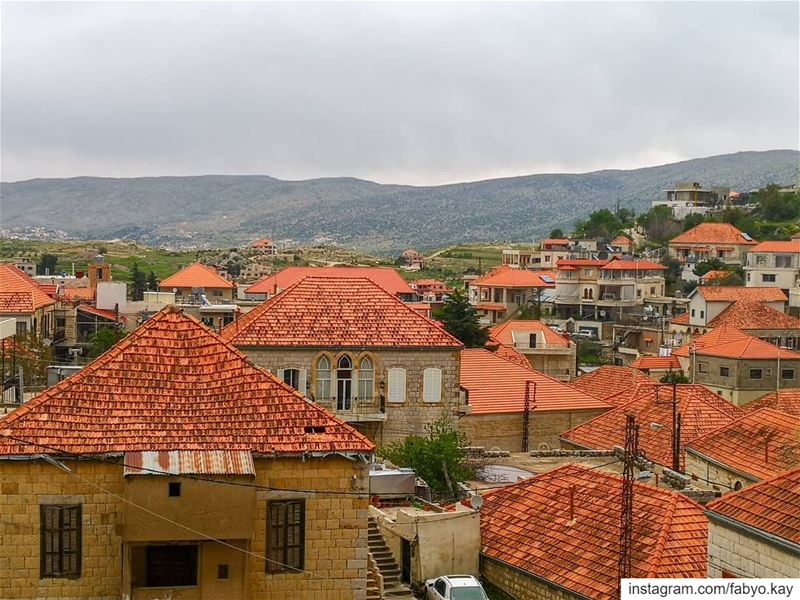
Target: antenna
x: 626, y: 517
x: 530, y: 404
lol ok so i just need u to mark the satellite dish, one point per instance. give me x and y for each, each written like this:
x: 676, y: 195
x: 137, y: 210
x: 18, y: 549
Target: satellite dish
x: 475, y: 501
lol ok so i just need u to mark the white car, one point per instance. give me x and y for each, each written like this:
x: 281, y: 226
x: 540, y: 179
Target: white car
x: 454, y: 587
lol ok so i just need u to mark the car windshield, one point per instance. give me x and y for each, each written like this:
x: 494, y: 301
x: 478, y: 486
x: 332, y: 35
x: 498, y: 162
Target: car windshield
x: 467, y: 593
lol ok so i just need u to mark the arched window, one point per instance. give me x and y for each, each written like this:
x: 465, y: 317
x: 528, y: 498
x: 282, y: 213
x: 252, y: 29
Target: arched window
x: 591, y: 294
x: 344, y: 383
x: 323, y: 378
x: 366, y: 380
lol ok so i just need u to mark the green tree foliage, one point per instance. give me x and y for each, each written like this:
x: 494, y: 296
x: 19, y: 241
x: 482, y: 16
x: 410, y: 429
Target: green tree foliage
x: 103, y: 340
x: 439, y: 458
x: 674, y: 377
x: 47, y: 264
x: 740, y: 219
x: 692, y: 220
x: 626, y: 216
x: 556, y: 233
x: 704, y: 267
x: 659, y: 224
x: 139, y: 283
x: 152, y: 282
x: 461, y: 321
x: 775, y: 206
x: 601, y: 224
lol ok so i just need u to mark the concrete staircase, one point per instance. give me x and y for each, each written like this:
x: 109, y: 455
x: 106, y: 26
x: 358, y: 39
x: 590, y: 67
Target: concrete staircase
x: 383, y: 583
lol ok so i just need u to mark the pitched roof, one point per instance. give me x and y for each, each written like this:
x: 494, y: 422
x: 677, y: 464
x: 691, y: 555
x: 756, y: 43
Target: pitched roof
x: 497, y: 385
x: 262, y: 243
x: 714, y: 275
x: 701, y: 411
x: 712, y: 233
x: 657, y: 363
x: 389, y: 279
x: 196, y: 275
x: 511, y: 277
x: 555, y: 242
x: 19, y: 293
x: 727, y: 341
x: 633, y: 265
x: 336, y: 311
x: 103, y: 313
x: 761, y: 444
x: 732, y: 293
x: 504, y: 333
x: 610, y: 380
x: 787, y: 401
x: 173, y: 384
x: 749, y: 314
x: 773, y: 506
x: 529, y: 526
x: 777, y: 246
x: 509, y: 353
x: 681, y: 319
x: 78, y: 293
x: 580, y: 262
x: 621, y: 240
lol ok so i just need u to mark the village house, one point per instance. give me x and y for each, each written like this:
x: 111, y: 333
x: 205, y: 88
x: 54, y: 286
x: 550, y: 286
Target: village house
x: 23, y: 300
x: 691, y: 198
x: 171, y: 466
x: 658, y: 366
x: 774, y: 264
x: 265, y: 246
x: 198, y: 284
x: 430, y: 290
x: 707, y: 241
x: 701, y: 411
x: 388, y: 279
x: 759, y: 445
x: 609, y: 380
x: 621, y: 244
x: 557, y: 535
x: 503, y: 291
x: 412, y: 259
x: 738, y: 366
x: 356, y: 349
x: 546, y: 257
x: 546, y: 351
x: 496, y: 389
x: 755, y: 532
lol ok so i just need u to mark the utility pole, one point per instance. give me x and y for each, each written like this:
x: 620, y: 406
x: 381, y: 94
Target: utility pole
x: 530, y: 404
x: 676, y: 430
x: 626, y: 518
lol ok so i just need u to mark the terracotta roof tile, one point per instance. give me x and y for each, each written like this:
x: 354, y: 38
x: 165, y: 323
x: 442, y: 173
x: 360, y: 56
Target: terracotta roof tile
x: 786, y: 401
x: 731, y: 293
x: 761, y: 444
x: 776, y: 246
x: 174, y: 385
x: 78, y: 293
x: 336, y: 311
x: 497, y: 385
x: 19, y: 293
x: 633, y: 265
x: 389, y: 279
x: 773, y: 506
x: 196, y: 275
x: 528, y: 525
x: 621, y: 240
x: 100, y: 312
x: 712, y: 233
x: 610, y: 380
x: 509, y: 353
x: 504, y: 333
x: 715, y: 275
x: 681, y: 319
x: 510, y: 277
x: 701, y: 411
x: 581, y: 262
x: 750, y: 314
x: 727, y: 341
x: 656, y: 362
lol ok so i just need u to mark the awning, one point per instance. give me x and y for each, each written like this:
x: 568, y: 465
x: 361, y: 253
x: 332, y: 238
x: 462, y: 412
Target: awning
x: 190, y: 462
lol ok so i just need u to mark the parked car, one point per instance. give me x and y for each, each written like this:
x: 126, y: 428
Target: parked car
x: 454, y: 587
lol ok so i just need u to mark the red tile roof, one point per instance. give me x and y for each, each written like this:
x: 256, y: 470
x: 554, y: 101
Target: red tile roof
x: 510, y: 277
x: 19, y: 293
x: 657, y: 363
x: 173, y: 384
x: 580, y: 262
x: 633, y: 265
x: 529, y: 526
x: 100, y: 312
x: 712, y: 233
x: 498, y: 306
x: 727, y: 341
x: 504, y: 333
x: 508, y: 353
x: 761, y: 444
x: 773, y: 506
x: 334, y: 311
x: 389, y: 279
x: 78, y: 293
x: 749, y: 314
x: 714, y: 275
x: 262, y: 243
x: 776, y: 246
x: 681, y: 319
x: 196, y: 275
x: 497, y: 385
x: 730, y: 293
x: 701, y: 411
x: 610, y: 380
x: 621, y: 240
x: 787, y: 401
x: 555, y: 242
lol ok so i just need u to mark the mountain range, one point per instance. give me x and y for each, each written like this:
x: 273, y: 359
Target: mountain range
x: 220, y: 210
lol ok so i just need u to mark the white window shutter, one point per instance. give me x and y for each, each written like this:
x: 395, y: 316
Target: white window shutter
x: 280, y: 374
x: 301, y: 382
x: 432, y: 385
x: 397, y: 385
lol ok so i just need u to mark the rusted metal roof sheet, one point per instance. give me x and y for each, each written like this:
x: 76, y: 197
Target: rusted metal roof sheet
x: 194, y: 462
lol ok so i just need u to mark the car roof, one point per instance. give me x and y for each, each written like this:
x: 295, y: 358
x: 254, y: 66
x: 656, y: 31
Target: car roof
x: 462, y: 580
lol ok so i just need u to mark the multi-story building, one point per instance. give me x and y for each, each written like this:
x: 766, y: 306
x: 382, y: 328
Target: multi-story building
x: 692, y: 198
x: 706, y: 241
x: 358, y: 350
x: 503, y: 291
x: 24, y: 300
x: 265, y: 246
x: 545, y: 350
x: 200, y: 284
x: 173, y: 467
x: 774, y: 264
x: 550, y: 251
x: 430, y: 290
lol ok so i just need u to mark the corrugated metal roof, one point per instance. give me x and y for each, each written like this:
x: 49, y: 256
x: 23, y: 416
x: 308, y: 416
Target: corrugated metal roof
x: 195, y: 462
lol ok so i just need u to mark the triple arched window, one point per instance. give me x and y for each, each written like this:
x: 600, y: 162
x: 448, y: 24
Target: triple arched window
x: 345, y: 380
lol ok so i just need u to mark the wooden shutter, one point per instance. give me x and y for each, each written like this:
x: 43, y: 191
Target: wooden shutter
x: 285, y: 535
x: 280, y: 374
x: 432, y: 385
x: 301, y: 381
x: 60, y: 541
x: 397, y: 385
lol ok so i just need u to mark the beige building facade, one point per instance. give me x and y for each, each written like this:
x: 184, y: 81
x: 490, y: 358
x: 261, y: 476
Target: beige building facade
x: 735, y: 550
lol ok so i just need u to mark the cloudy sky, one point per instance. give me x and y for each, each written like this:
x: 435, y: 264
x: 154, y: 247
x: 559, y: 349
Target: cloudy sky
x: 397, y: 93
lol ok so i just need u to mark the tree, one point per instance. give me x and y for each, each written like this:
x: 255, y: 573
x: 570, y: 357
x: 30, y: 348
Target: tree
x: 440, y: 458
x: 47, y: 264
x: 674, y: 377
x: 139, y: 283
x: 601, y: 224
x: 704, y: 267
x: 461, y: 321
x: 692, y: 220
x: 556, y: 233
x: 775, y: 206
x: 103, y: 340
x: 152, y: 282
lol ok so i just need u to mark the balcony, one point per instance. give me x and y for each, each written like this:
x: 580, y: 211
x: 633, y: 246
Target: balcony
x: 357, y: 410
x: 525, y: 348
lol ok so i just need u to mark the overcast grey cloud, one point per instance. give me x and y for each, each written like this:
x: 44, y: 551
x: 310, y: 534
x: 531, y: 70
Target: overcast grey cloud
x: 402, y: 93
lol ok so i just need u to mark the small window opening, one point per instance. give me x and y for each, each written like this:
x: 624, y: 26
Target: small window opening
x: 315, y: 429
x: 174, y: 489
x: 222, y: 571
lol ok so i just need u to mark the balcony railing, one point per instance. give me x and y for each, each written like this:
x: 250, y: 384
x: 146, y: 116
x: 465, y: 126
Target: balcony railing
x: 356, y: 409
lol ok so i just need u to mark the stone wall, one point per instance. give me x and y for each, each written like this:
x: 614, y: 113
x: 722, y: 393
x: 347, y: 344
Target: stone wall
x: 519, y: 585
x: 504, y: 431
x: 735, y: 553
x: 715, y: 476
x: 737, y: 387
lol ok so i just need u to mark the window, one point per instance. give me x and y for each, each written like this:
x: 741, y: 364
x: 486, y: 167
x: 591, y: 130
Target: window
x: 216, y: 292
x: 441, y: 588
x: 702, y: 314
x: 652, y: 290
x: 756, y: 373
x: 174, y: 489
x: 397, y: 385
x: 223, y: 571
x: 22, y: 327
x: 60, y: 537
x: 366, y: 380
x: 768, y: 277
x: 171, y: 565
x: 432, y: 385
x: 783, y: 261
x: 787, y: 373
x: 344, y: 383
x: 724, y: 371
x: 285, y: 535
x: 702, y: 367
x: 692, y: 313
x: 323, y: 378
x: 292, y: 377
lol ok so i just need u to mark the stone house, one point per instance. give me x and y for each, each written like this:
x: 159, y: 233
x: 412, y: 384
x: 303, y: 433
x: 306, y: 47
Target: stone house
x: 504, y: 290
x: 23, y: 300
x: 774, y: 264
x: 657, y: 366
x: 199, y: 284
x: 556, y: 535
x: 171, y: 466
x: 358, y: 350
x: 755, y: 532
x: 495, y: 390
x: 265, y: 246
x: 546, y: 351
x: 546, y: 257
x: 706, y: 241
